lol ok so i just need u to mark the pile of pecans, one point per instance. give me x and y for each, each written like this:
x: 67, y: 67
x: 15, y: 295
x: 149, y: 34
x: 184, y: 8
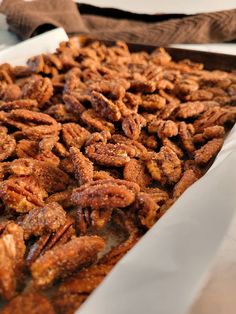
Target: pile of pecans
x: 96, y: 141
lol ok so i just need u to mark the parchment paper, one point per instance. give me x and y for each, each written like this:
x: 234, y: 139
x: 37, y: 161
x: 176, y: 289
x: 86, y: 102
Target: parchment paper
x: 163, y: 272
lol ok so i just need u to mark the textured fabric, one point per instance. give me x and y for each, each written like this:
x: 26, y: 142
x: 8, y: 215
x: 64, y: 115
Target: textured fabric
x: 27, y: 18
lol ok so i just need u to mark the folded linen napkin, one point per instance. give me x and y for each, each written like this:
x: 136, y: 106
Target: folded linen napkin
x: 27, y: 18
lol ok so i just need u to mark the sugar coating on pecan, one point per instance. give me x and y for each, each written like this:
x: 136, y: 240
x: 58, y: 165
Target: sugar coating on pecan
x: 12, y: 250
x: 46, y: 219
x: 64, y: 259
x: 22, y: 194
x: 106, y: 108
x: 114, y: 137
x: 190, y: 109
x: 39, y: 89
x: 186, y: 132
x: 132, y: 124
x: 83, y: 167
x: 74, y: 135
x: 110, y: 154
x: 204, y: 154
x: 135, y: 171
x: 163, y: 128
x: 105, y: 194
x: 30, y: 303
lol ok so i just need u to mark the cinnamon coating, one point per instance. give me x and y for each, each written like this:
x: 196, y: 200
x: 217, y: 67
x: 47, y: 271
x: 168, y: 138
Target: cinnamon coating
x: 65, y: 259
x: 208, y: 151
x: 42, y: 220
x: 96, y: 141
x: 83, y: 167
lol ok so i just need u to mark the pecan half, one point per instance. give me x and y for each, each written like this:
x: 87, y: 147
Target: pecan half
x: 110, y: 154
x: 208, y: 151
x: 105, y: 107
x: 105, y: 194
x: 42, y: 220
x: 83, y: 167
x: 64, y: 259
x: 132, y: 125
x: 74, y: 135
x: 135, y: 171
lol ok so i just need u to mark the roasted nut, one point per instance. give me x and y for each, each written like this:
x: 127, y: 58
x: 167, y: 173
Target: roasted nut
x: 132, y: 125
x: 208, y: 151
x: 105, y: 194
x: 40, y: 89
x: 64, y: 259
x: 22, y: 194
x: 135, y: 171
x: 29, y: 303
x: 110, y: 154
x: 12, y: 250
x: 43, y: 220
x: 74, y: 135
x: 83, y: 167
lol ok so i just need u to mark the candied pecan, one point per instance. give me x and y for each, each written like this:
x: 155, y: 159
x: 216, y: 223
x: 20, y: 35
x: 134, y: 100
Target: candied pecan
x: 142, y: 86
x: 105, y: 107
x: 210, y: 132
x: 83, y: 167
x: 64, y: 259
x: 153, y: 102
x: 96, y: 137
x: 190, y: 109
x: 63, y: 198
x: 10, y: 92
x: 74, y: 290
x: 147, y: 209
x: 132, y: 100
x: 30, y: 104
x: 149, y: 141
x: 139, y: 149
x: 174, y: 147
x: 101, y: 175
x: 39, y: 89
x: 158, y: 195
x: 29, y: 303
x: 164, y: 128
x: 135, y: 171
x: 60, y: 113
x: 114, y: 89
x: 155, y: 171
x: 31, y: 149
x: 198, y: 95
x: 37, y: 248
x: 47, y: 174
x: 166, y: 167
x: 214, y: 116
x: 231, y: 90
x: 188, y: 178
x: 160, y: 57
x: 12, y: 250
x: 73, y: 104
x: 74, y: 135
x: 7, y: 145
x: 60, y: 150
x: 22, y: 194
x: 110, y: 154
x: 42, y: 220
x: 93, y: 120
x: 208, y: 151
x: 132, y: 125
x: 186, y: 86
x: 186, y: 132
x: 168, y: 110
x: 32, y: 124
x: 105, y: 194
x: 36, y: 64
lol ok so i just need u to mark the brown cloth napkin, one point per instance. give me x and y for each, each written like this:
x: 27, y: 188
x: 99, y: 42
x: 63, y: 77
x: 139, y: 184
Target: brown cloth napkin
x: 29, y: 18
